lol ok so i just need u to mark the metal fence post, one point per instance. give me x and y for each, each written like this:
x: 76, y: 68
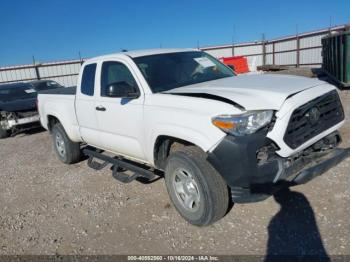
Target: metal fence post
x: 298, y: 50
x: 264, y: 49
x: 36, y: 67
x: 273, y: 53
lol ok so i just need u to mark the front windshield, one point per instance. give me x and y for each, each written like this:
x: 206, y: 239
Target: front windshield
x: 16, y: 92
x: 168, y: 71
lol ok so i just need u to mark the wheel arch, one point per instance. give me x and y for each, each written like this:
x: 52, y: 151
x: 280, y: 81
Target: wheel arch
x: 163, y: 146
x: 167, y: 134
x: 51, y: 121
x: 71, y: 130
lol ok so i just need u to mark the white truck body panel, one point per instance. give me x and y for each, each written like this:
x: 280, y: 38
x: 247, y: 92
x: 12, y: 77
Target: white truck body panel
x: 186, y: 118
x: 61, y: 107
x: 121, y: 125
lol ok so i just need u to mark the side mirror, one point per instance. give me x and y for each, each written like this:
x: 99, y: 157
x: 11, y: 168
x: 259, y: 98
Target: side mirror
x: 122, y: 90
x: 232, y: 67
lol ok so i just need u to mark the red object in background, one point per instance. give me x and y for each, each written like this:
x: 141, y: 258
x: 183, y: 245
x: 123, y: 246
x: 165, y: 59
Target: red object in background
x: 239, y: 62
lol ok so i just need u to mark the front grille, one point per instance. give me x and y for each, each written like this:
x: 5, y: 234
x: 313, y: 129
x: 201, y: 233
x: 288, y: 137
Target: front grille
x: 304, y: 123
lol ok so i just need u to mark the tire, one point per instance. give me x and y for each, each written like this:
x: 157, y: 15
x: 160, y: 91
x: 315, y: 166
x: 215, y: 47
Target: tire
x: 204, y: 197
x: 4, y: 133
x: 67, y: 151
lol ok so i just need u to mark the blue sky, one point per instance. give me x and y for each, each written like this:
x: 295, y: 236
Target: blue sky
x: 54, y: 30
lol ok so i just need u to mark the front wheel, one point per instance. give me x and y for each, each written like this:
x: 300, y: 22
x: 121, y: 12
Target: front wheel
x: 196, y: 189
x: 3, y: 132
x: 68, y: 151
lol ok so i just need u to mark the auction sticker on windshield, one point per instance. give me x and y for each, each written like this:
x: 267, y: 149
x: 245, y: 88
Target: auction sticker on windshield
x: 29, y: 91
x: 204, y: 61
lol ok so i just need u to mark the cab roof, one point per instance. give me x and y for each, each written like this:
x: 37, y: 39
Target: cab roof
x: 138, y: 53
x: 144, y: 52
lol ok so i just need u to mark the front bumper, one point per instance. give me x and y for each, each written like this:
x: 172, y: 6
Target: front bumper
x: 235, y: 158
x: 23, y: 121
x: 9, y: 124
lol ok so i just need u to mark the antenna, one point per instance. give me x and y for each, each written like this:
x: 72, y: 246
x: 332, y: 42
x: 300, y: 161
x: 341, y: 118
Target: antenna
x: 233, y: 34
x: 81, y: 60
x: 233, y: 39
x: 297, y: 29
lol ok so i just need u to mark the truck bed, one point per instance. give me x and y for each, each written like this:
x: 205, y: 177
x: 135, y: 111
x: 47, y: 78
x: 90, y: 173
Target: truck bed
x: 59, y: 103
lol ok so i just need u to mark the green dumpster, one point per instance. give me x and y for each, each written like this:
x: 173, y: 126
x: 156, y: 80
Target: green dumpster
x: 336, y: 57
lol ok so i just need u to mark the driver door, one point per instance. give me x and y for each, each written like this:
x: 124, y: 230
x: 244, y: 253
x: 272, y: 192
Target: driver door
x: 120, y: 119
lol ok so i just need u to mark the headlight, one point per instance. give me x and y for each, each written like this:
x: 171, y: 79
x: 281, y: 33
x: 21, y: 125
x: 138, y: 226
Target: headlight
x: 244, y: 124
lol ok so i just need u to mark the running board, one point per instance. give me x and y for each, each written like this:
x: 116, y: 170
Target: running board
x: 117, y: 165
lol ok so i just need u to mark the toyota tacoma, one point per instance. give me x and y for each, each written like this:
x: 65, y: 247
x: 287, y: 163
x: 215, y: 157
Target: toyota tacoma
x: 214, y: 136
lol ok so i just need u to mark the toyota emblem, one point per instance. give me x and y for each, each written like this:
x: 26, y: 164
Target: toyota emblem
x: 313, y: 115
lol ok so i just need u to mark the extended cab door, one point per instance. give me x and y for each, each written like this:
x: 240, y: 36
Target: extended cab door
x: 120, y: 120
x: 85, y: 105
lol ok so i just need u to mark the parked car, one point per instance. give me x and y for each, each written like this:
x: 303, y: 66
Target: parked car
x: 212, y: 134
x: 18, y: 110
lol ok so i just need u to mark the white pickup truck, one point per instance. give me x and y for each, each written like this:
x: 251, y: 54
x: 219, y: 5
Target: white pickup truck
x: 181, y: 114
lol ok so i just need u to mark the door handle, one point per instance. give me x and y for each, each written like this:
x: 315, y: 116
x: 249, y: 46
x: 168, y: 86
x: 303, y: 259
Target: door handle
x: 100, y: 108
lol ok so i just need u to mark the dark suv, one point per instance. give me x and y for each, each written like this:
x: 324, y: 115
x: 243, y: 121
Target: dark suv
x: 18, y: 110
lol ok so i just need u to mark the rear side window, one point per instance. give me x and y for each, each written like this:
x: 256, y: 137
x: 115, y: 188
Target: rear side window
x: 88, y: 80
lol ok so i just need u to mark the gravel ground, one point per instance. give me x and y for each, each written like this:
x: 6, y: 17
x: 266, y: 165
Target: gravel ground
x: 51, y: 208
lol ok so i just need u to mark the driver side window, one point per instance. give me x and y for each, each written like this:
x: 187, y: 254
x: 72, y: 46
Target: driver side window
x: 115, y: 72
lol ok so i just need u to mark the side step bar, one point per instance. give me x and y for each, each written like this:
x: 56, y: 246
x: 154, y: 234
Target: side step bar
x: 117, y: 165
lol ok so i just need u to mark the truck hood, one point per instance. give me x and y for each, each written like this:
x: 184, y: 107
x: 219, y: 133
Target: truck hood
x: 250, y: 92
x: 18, y: 105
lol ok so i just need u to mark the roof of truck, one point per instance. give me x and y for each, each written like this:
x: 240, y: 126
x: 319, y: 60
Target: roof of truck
x: 145, y: 52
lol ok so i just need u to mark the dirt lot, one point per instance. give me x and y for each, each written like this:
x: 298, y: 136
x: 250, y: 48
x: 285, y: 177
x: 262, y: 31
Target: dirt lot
x: 50, y: 208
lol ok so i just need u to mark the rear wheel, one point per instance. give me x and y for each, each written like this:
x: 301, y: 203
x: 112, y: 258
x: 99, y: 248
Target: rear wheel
x: 68, y: 151
x: 196, y: 189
